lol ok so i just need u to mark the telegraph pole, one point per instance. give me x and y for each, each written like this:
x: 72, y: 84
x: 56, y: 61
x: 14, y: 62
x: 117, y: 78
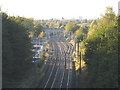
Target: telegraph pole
x: 80, y: 59
x: 65, y: 60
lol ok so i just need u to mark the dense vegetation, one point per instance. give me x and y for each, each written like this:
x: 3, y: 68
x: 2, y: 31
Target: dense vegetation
x: 71, y: 27
x: 55, y: 23
x: 16, y: 48
x: 100, y: 52
x: 17, y: 52
x: 38, y: 29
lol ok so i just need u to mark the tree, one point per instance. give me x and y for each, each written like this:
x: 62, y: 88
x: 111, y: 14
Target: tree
x: 26, y: 22
x: 41, y: 34
x: 101, y: 53
x: 16, y: 49
x: 38, y: 28
x: 92, y: 28
x: 79, y: 34
x: 71, y: 27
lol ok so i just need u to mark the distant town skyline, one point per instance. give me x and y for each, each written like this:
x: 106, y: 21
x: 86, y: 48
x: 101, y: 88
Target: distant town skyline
x: 58, y: 9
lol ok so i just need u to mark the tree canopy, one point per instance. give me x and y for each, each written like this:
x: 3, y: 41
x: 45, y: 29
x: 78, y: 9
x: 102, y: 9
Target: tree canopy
x: 101, y: 53
x: 16, y: 49
x: 71, y: 27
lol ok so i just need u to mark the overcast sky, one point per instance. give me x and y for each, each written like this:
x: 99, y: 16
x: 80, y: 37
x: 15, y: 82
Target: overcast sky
x: 46, y: 9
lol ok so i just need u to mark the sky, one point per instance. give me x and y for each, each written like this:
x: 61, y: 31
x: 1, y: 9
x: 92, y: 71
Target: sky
x: 68, y: 9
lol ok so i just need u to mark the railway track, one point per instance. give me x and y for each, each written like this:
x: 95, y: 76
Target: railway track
x: 58, y: 73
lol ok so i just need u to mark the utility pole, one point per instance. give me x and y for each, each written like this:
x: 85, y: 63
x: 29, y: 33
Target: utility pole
x: 80, y: 59
x: 77, y: 49
x: 79, y: 54
x: 65, y: 60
